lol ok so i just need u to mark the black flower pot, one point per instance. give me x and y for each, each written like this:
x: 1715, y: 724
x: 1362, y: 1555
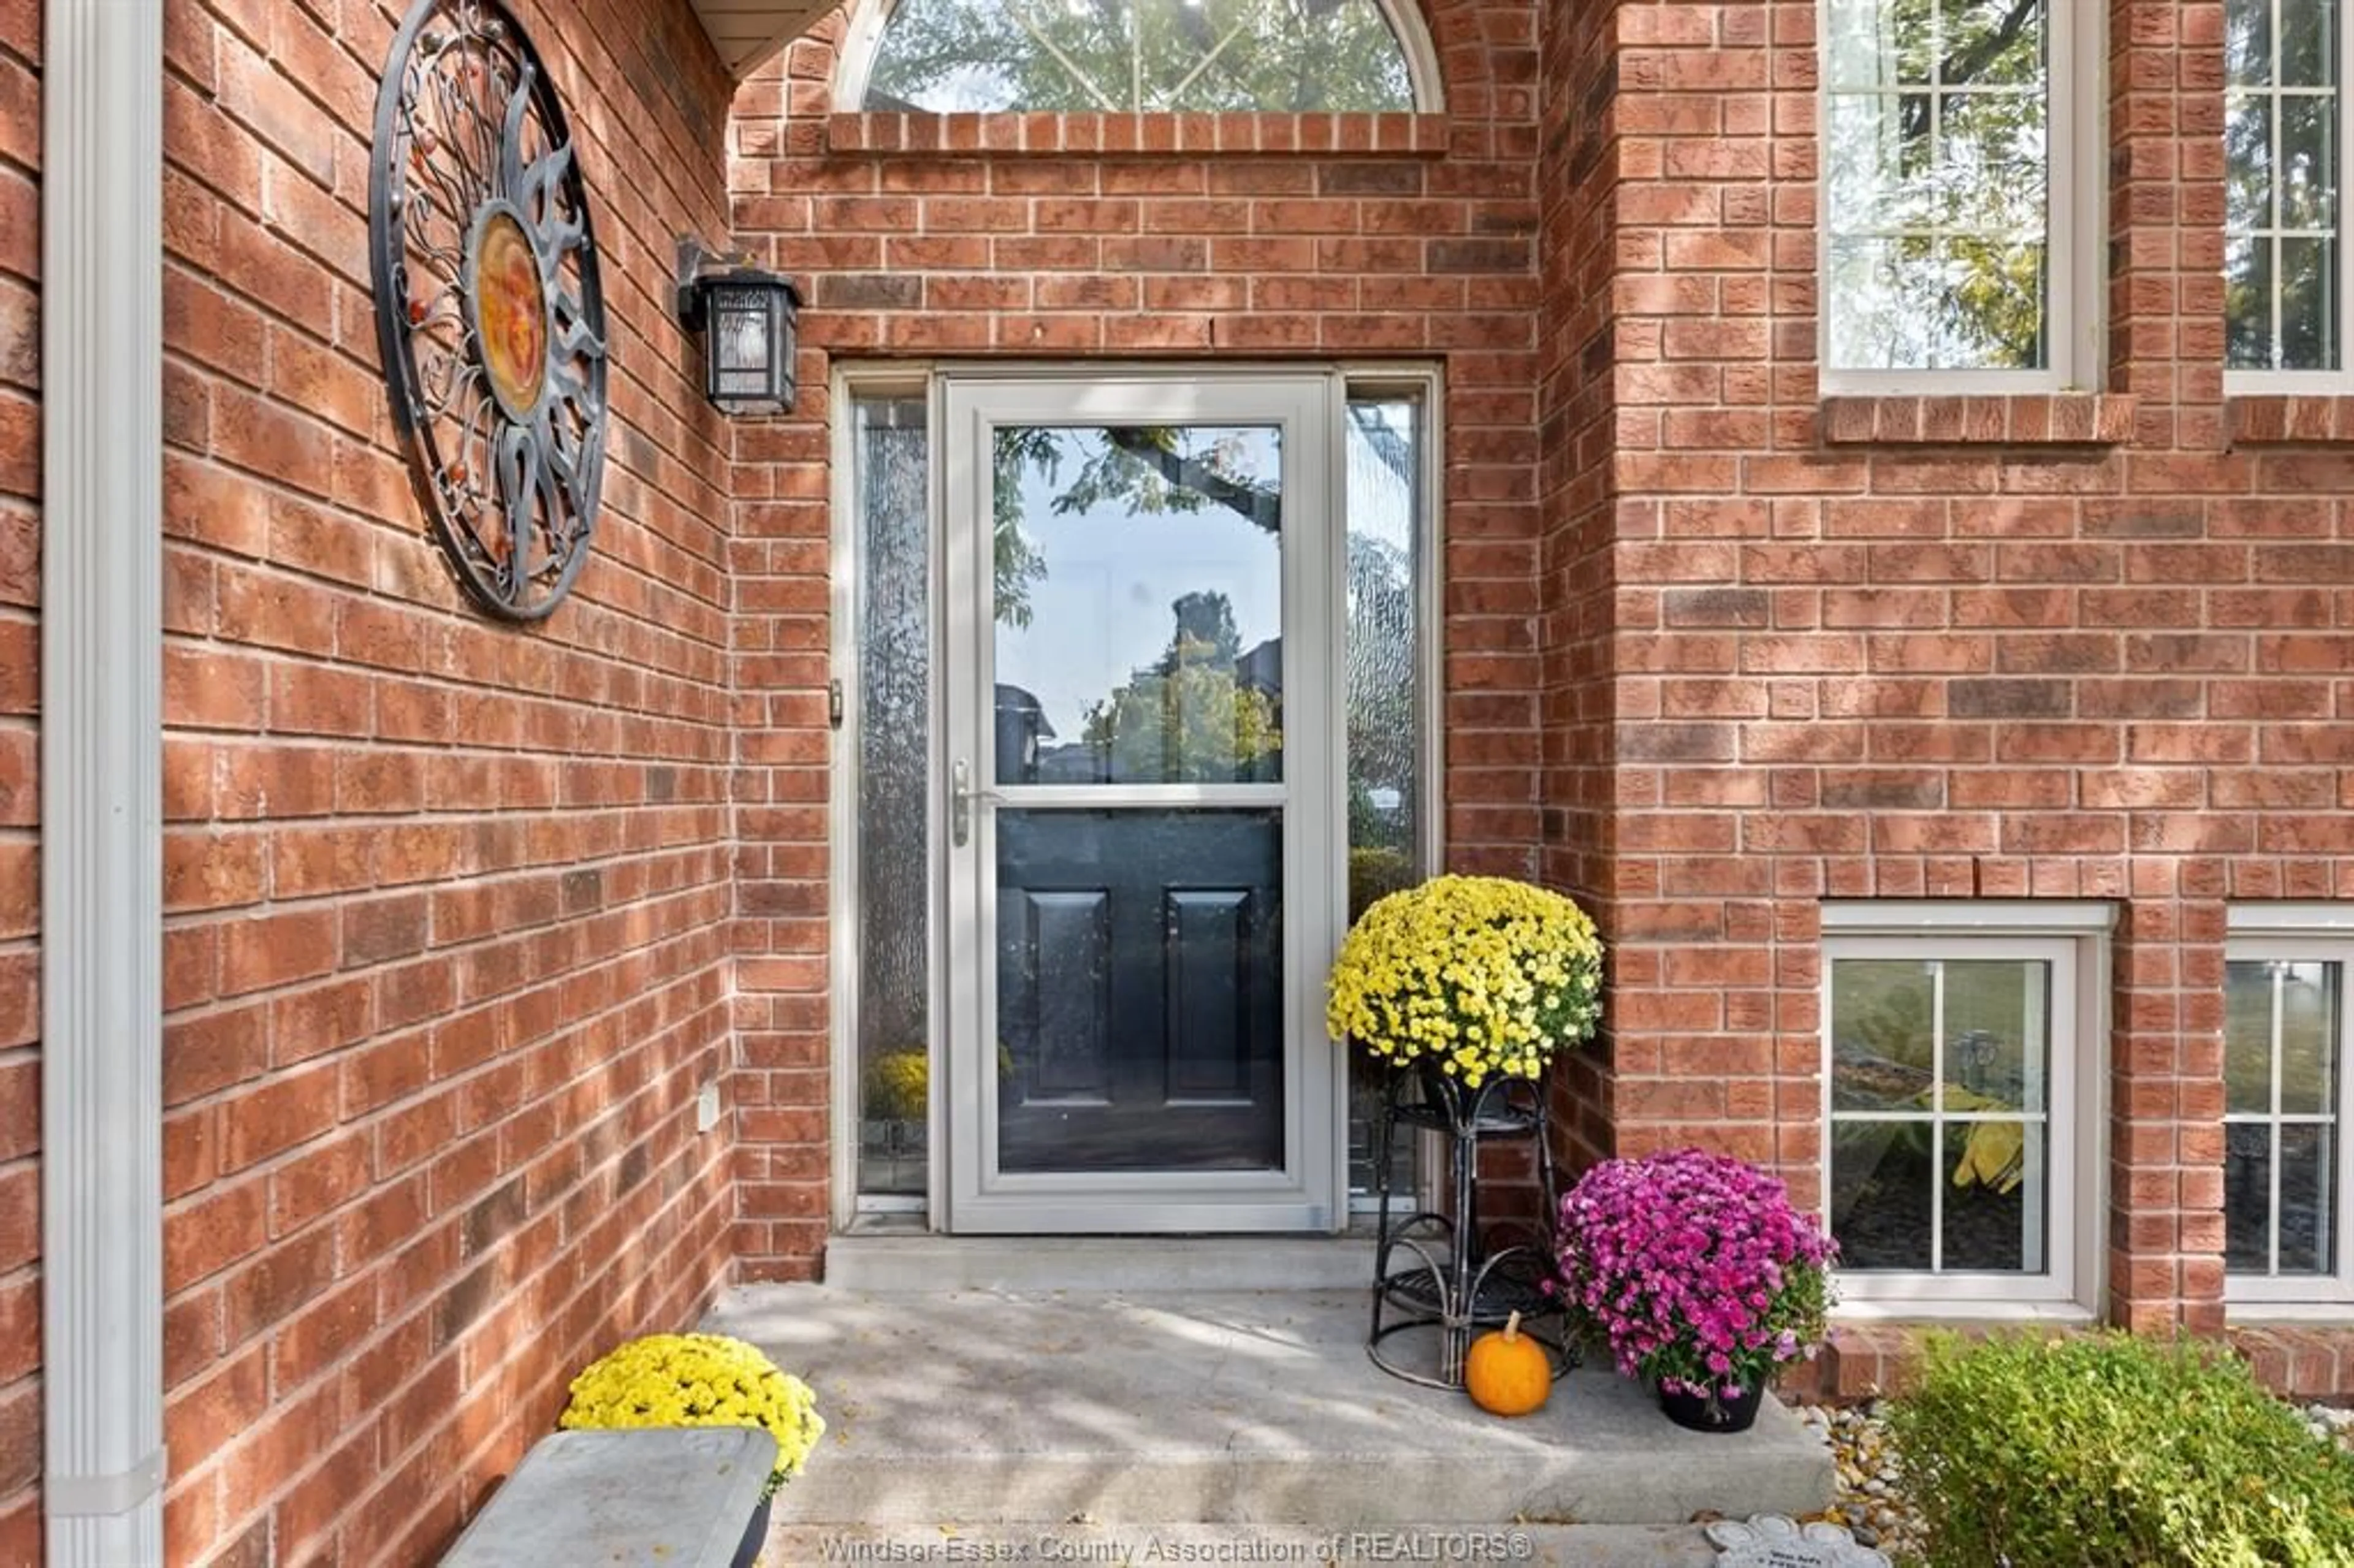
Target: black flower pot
x: 755, y: 1536
x: 1705, y: 1413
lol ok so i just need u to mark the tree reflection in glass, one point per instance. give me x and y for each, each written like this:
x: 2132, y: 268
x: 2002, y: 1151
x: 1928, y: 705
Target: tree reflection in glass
x: 1936, y: 184
x: 1127, y: 55
x: 1139, y: 582
x: 1383, y: 698
x: 2281, y: 141
x: 1940, y: 1070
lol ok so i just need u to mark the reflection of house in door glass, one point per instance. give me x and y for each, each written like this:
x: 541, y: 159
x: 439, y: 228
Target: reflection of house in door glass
x: 1138, y: 632
x: 1021, y: 725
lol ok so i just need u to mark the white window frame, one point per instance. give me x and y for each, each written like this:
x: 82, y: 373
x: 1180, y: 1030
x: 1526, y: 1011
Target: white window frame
x: 851, y: 383
x: 868, y: 18
x: 2073, y: 937
x: 2077, y: 245
x: 2310, y: 932
x: 2340, y: 379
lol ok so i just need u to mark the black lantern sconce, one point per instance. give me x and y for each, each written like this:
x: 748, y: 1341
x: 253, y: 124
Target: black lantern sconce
x: 748, y: 321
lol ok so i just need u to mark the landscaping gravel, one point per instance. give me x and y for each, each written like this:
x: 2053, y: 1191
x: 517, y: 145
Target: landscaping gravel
x: 1871, y: 1499
x: 2330, y: 1420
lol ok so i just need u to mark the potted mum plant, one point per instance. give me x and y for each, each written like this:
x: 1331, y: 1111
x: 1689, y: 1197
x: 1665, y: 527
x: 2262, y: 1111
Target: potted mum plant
x: 1699, y: 1274
x: 1467, y: 979
x: 1465, y: 987
x: 701, y: 1380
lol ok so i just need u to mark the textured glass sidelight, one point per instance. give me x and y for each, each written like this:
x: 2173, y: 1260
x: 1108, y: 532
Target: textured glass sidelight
x: 890, y: 460
x: 1382, y: 656
x: 946, y: 56
x: 2282, y: 1023
x: 2281, y: 141
x: 1936, y: 184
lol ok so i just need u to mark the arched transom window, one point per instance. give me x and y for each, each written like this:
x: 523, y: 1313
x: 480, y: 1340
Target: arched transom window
x: 1128, y: 56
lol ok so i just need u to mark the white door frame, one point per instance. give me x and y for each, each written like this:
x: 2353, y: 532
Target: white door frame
x: 1305, y: 1195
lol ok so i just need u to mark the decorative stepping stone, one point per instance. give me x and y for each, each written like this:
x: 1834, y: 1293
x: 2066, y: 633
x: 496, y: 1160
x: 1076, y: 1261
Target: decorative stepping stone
x: 1776, y: 1541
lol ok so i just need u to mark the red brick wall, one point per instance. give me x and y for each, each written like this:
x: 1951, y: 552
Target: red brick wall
x: 447, y: 942
x: 1424, y: 250
x: 1878, y: 648
x: 1577, y: 400
x: 20, y: 890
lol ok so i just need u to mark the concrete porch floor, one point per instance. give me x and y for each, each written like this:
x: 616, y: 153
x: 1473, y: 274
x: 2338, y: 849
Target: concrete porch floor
x: 997, y: 1412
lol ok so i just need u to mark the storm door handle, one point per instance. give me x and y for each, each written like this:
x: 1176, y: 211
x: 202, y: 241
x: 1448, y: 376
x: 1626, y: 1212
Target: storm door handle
x: 962, y: 795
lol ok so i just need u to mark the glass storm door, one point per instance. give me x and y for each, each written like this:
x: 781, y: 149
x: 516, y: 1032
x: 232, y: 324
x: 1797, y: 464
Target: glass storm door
x: 1141, y: 839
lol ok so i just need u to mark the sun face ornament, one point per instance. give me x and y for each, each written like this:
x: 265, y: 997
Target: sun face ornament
x: 490, y: 311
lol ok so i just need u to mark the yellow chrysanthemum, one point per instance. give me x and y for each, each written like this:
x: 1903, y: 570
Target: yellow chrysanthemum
x: 1482, y: 975
x: 697, y: 1380
x: 898, y: 1085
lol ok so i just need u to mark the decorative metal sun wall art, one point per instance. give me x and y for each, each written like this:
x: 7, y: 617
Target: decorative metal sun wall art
x: 488, y: 306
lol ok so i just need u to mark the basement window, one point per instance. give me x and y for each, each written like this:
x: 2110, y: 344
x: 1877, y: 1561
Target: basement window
x: 1960, y: 1053
x: 2285, y: 1037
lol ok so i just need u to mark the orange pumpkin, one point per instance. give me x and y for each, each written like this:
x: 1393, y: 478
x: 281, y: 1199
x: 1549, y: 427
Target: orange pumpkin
x: 1508, y: 1373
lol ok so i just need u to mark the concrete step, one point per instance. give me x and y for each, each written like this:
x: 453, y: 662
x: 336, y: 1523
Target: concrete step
x: 977, y: 1408
x: 891, y: 1263
x: 1062, y: 1541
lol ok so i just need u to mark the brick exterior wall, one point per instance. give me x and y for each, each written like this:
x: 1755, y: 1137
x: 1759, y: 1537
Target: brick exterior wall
x: 447, y: 942
x: 1579, y: 176
x: 1778, y: 647
x: 1860, y: 1362
x: 2053, y: 648
x: 20, y: 882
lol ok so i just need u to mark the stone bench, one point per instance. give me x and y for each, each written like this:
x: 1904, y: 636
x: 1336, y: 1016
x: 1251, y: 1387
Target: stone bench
x: 673, y: 1497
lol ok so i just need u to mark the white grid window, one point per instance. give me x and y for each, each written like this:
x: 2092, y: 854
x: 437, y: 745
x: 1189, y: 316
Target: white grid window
x: 2285, y: 1038
x: 1959, y: 1044
x: 1953, y: 199
x: 2284, y: 142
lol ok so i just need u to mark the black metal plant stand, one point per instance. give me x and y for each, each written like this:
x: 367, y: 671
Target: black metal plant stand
x: 1441, y: 1271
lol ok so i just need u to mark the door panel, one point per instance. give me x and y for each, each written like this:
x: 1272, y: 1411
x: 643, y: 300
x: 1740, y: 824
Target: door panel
x: 1206, y: 976
x: 1143, y: 1017
x: 1054, y: 995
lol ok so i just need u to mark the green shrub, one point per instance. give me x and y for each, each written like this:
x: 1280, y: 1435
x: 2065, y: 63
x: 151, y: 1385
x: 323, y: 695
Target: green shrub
x: 2104, y: 1450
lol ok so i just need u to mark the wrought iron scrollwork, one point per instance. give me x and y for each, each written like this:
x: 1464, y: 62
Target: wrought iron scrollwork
x: 1465, y: 1275
x: 489, y: 308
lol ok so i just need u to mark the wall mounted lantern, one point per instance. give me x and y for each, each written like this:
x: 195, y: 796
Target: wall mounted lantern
x: 747, y: 320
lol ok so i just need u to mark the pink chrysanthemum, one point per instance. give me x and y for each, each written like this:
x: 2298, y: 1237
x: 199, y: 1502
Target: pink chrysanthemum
x: 1695, y: 1268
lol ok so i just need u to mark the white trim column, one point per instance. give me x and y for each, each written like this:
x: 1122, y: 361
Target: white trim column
x: 102, y: 782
